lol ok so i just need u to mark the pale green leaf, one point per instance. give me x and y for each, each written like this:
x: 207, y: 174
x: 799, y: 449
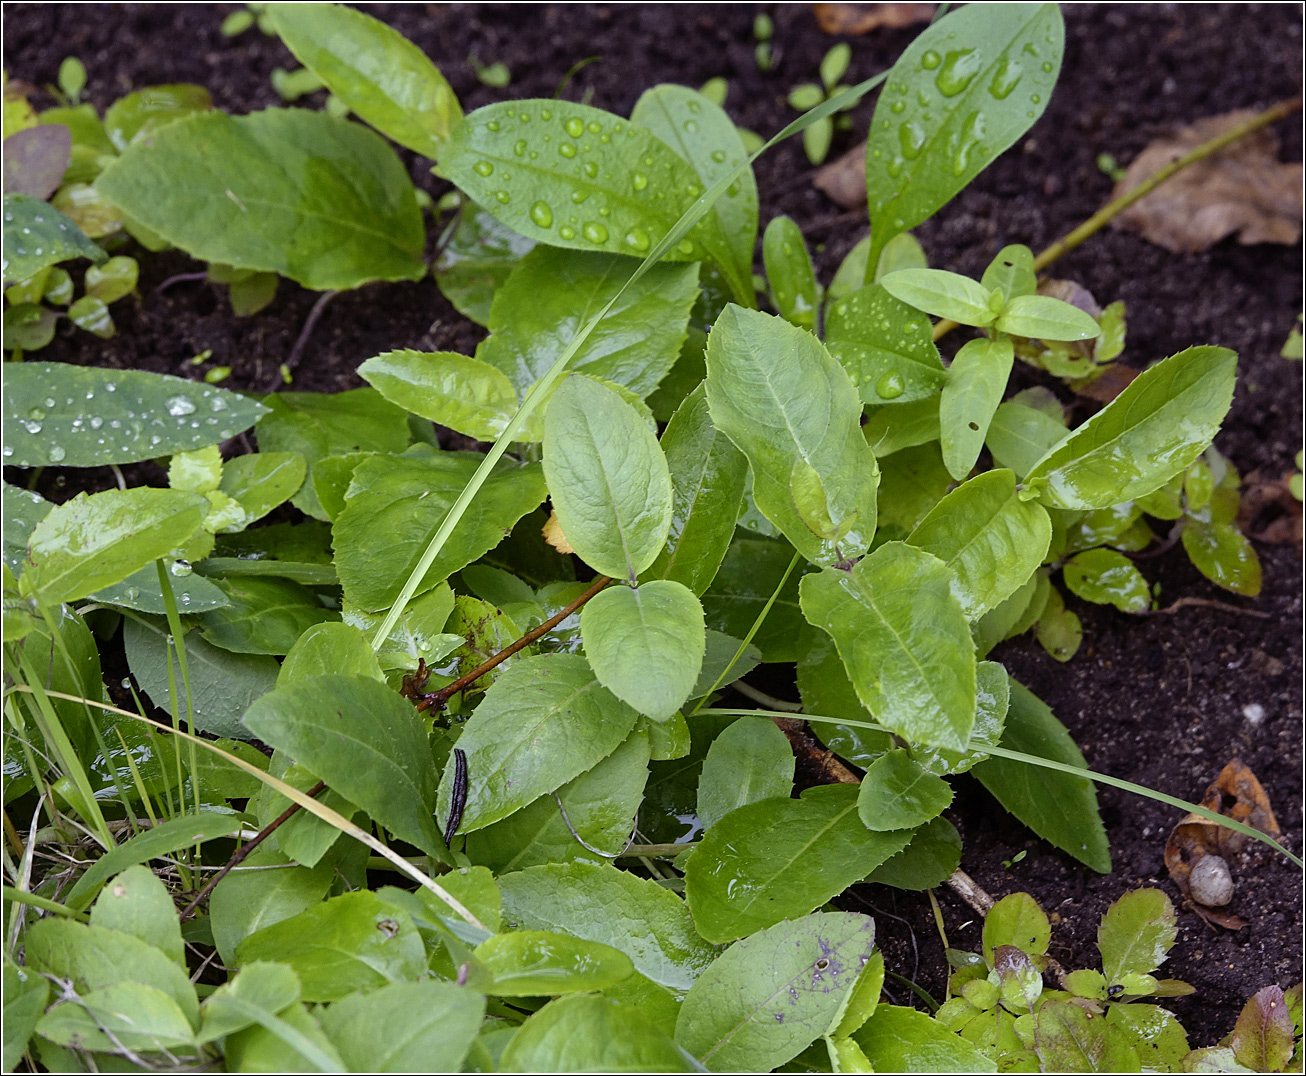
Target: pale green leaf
x: 405, y: 1027
x: 1019, y: 435
x: 527, y: 963
x: 125, y: 1015
x: 463, y: 393
x: 977, y: 379
x: 1011, y: 272
x: 1045, y: 318
x: 1108, y: 578
x: 591, y: 1033
x: 794, y: 290
x: 899, y: 793
x: 901, y: 1039
x: 137, y: 903
x: 1221, y: 553
x: 260, y: 481
x: 942, y: 294
x: 1136, y: 934
x: 246, y: 901
x: 750, y: 761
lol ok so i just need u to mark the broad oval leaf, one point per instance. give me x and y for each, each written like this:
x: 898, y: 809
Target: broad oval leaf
x: 83, y: 416
x: 136, y: 902
x: 1016, y: 920
x: 546, y: 169
x: 262, y: 615
x: 948, y: 109
x: 375, y: 70
x: 977, y: 379
x: 607, y: 477
x: 475, y: 261
x: 36, y: 236
x: 885, y: 346
x: 1108, y: 578
x: 990, y: 539
x: 543, y: 722
x: 330, y: 649
x: 1155, y: 428
x: 789, y: 273
x: 259, y: 481
x: 591, y: 1033
x: 137, y: 115
x: 245, y: 902
x: 751, y: 760
x: 943, y: 294
x: 364, y: 741
x: 1221, y: 553
x: 930, y: 860
x: 304, y: 194
x: 124, y: 1016
x: 527, y: 963
x: 900, y: 1039
x: 904, y: 640
x: 405, y: 1027
x: 1068, y: 1038
x: 769, y: 996
x: 775, y: 391
x: 1019, y: 435
x: 463, y: 393
x: 780, y: 859
x: 95, y: 541
x: 1136, y: 934
x: 1045, y: 318
x: 645, y: 644
x: 899, y: 793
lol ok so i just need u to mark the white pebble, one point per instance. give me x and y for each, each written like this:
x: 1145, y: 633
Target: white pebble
x: 1210, y: 883
x: 1254, y: 712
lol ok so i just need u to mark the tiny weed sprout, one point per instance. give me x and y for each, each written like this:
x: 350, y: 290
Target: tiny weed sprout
x: 433, y: 702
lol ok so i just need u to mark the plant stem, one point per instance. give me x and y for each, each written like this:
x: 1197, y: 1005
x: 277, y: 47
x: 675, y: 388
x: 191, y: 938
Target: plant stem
x: 769, y: 701
x: 292, y: 360
x: 439, y: 698
x: 1116, y: 206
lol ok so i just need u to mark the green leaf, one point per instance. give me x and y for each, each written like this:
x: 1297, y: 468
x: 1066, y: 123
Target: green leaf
x: 262, y: 616
x: 990, y: 539
x: 768, y: 996
x: 364, y: 741
x: 476, y: 260
x: 824, y: 688
x: 111, y: 281
x: 262, y: 986
x: 260, y: 481
x: 1155, y: 428
x: 590, y: 1033
x: 82, y: 416
x: 28, y: 326
x: 1016, y: 920
x: 750, y: 761
x: 245, y: 902
x: 465, y: 394
x: 138, y: 115
x: 779, y: 859
x: 543, y: 722
x: 1108, y: 578
x: 749, y: 575
x: 1059, y: 808
x: 1221, y: 553
x: 943, y: 294
x: 1011, y: 272
x: 417, y: 634
x: 1068, y: 1038
x: 930, y: 860
x: 1263, y: 1037
x: 223, y: 684
x: 1045, y: 318
x: 317, y: 199
x: 394, y: 507
x: 532, y: 962
x: 977, y: 379
x: 97, y: 540
x: 36, y: 236
x: 992, y: 699
x: 382, y: 76
x: 123, y: 1016
x: 645, y: 644
x: 901, y: 1039
x: 290, y: 1042
x: 25, y: 995
x: 351, y: 942
x: 405, y: 1027
x: 330, y: 649
x: 963, y: 91
x: 92, y: 314
x: 707, y: 482
x: 775, y: 391
x: 137, y: 903
x: 899, y: 793
x: 1136, y: 933
x: 891, y: 429
x: 1155, y: 1034
x: 552, y: 293
x: 904, y: 639
x: 1059, y: 630
x: 608, y: 478
x: 1019, y: 435
x: 789, y: 272
x: 598, y: 902
x: 546, y: 169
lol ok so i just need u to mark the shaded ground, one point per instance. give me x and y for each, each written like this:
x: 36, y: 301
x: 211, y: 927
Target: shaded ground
x: 1162, y: 701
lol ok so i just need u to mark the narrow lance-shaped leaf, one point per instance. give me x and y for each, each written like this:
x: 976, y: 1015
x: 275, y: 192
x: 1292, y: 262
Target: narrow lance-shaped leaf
x: 976, y: 380
x: 943, y: 294
x: 789, y: 273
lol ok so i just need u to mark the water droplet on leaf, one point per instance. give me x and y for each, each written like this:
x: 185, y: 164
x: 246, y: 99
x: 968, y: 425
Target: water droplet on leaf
x: 542, y: 214
x: 595, y: 232
x: 890, y: 386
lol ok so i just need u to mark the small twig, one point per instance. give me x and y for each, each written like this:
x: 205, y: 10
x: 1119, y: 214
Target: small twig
x: 584, y: 843
x: 244, y: 850
x: 769, y: 701
x: 968, y: 890
x: 180, y: 278
x: 292, y: 360
x: 437, y: 699
x: 1210, y: 603
x: 651, y: 850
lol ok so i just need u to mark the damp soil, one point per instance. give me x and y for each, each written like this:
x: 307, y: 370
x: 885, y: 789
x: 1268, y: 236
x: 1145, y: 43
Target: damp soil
x: 1164, y: 701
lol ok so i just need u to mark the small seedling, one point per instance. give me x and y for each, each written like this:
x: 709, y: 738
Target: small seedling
x: 763, y: 31
x: 72, y: 80
x: 817, y: 137
x: 495, y: 75
x: 1110, y: 167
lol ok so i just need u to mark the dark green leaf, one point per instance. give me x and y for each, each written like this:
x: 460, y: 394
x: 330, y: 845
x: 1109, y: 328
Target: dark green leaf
x: 977, y: 379
x: 405, y: 1027
x: 36, y: 235
x: 590, y: 1033
x: 898, y: 793
x: 262, y: 616
x: 527, y: 963
x: 260, y: 481
x: 476, y: 260
x: 930, y: 860
x: 901, y: 1039
x: 749, y: 575
x: 911, y: 483
x: 892, y: 428
x: 750, y: 761
x: 1108, y: 578
x: 1059, y: 630
x: 1222, y: 554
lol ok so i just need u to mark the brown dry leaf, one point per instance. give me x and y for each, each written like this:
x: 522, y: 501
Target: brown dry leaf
x: 552, y: 532
x: 1260, y: 493
x: 843, y: 180
x: 863, y: 18
x: 1243, y: 189
x: 1107, y: 385
x: 1237, y: 794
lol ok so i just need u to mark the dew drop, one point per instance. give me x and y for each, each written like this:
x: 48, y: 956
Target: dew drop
x: 180, y: 568
x: 49, y: 402
x: 1005, y: 78
x: 179, y: 405
x: 1034, y: 99
x: 566, y: 149
x: 36, y: 413
x: 930, y: 60
x: 691, y: 126
x: 604, y: 211
x: 567, y: 232
x: 590, y: 169
x: 483, y: 168
x: 546, y: 114
x: 911, y: 136
x: 898, y: 106
x: 693, y: 190
x: 959, y: 68
x: 542, y: 214
x: 579, y: 196
x: 575, y: 127
x: 525, y: 117
x: 493, y: 125
x: 638, y: 180
x: 1047, y: 66
x: 637, y: 239
x: 890, y: 386
x: 109, y: 386
x: 96, y: 422
x: 519, y: 147
x: 32, y: 427
x: 685, y: 246
x: 595, y: 232
x: 502, y: 197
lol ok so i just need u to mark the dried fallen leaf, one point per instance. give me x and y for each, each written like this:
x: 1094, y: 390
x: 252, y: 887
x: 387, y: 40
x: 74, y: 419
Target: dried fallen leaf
x: 863, y: 18
x: 1243, y: 189
x: 553, y: 535
x: 36, y: 159
x: 1237, y: 794
x: 1260, y: 494
x: 843, y: 180
x: 1107, y: 385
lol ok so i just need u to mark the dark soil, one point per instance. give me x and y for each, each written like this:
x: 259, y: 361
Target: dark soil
x: 1163, y: 701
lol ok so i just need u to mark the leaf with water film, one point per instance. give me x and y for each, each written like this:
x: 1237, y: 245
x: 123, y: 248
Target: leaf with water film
x: 789, y: 273
x: 963, y: 91
x: 466, y: 394
x: 1107, y: 577
x: 885, y: 346
x: 1223, y: 554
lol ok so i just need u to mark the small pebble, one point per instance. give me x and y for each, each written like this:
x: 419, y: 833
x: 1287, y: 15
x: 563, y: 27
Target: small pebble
x: 1209, y: 883
x: 1254, y: 712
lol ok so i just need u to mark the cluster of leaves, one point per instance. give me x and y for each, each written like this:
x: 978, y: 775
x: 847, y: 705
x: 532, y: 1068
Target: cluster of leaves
x: 817, y: 137
x: 765, y: 523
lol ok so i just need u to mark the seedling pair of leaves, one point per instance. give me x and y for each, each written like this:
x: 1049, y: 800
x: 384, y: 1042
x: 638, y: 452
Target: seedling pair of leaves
x: 817, y: 137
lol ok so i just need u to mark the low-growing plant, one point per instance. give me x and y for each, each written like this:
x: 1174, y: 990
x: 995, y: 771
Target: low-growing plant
x: 817, y: 137
x: 499, y: 700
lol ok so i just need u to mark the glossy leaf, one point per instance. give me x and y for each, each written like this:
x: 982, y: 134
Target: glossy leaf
x: 1108, y: 578
x: 1011, y: 272
x: 750, y: 761
x: 1019, y: 435
x: 1136, y: 933
x: 779, y: 859
x: 645, y: 644
x: 1046, y: 318
x: 990, y: 539
x: 82, y: 416
x: 1018, y: 921
x: 36, y: 235
x: 977, y: 379
x: 552, y: 293
x: 899, y: 793
x: 600, y: 903
x: 1155, y: 428
x: 395, y: 506
x: 1263, y: 1038
x: 903, y: 637
x: 262, y: 616
x: 330, y: 649
x: 768, y: 996
x: 543, y: 722
x: 608, y: 478
x: 943, y: 294
x: 260, y: 481
x: 992, y: 700
x: 136, y: 902
x: 891, y: 429
x: 546, y: 168
x: 526, y: 963
x: 591, y: 1033
x: 382, y: 76
x: 749, y: 575
x: 364, y: 741
x: 1060, y: 808
x: 901, y: 1039
x: 789, y: 273
x: 292, y: 1041
x: 930, y: 860
x: 261, y: 989
x: 246, y: 901
x: 948, y: 109
x: 824, y: 688
x: 1221, y: 553
x: 1156, y: 1035
x: 317, y: 199
x: 1059, y: 629
x: 465, y: 394
x: 775, y: 391
x: 474, y: 262
x: 138, y: 115
x: 95, y: 541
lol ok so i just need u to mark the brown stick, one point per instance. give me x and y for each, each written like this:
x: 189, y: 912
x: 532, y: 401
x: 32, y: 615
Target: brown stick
x: 439, y: 698
x: 244, y: 850
x: 1208, y: 603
